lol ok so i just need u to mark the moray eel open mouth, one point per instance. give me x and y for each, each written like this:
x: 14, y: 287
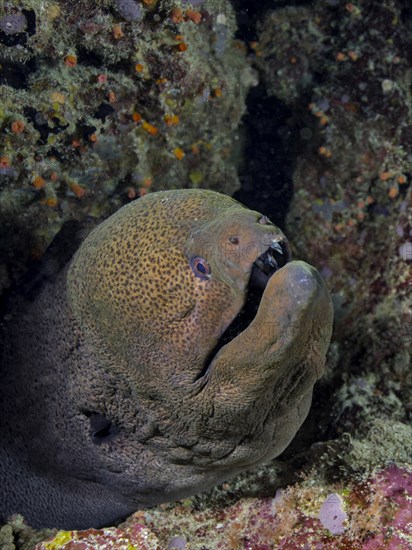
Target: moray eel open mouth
x: 274, y: 258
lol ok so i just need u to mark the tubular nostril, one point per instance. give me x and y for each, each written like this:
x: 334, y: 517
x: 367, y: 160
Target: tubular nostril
x: 286, y: 250
x: 264, y: 220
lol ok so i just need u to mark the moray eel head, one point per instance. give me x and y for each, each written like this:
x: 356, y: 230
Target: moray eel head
x: 203, y: 342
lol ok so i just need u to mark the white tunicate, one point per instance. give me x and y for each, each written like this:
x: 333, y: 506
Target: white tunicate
x: 332, y: 515
x: 278, y: 502
x: 222, y: 34
x: 405, y: 251
x: 177, y: 543
x: 13, y: 24
x: 221, y: 19
x: 130, y: 10
x: 399, y: 231
x: 387, y: 85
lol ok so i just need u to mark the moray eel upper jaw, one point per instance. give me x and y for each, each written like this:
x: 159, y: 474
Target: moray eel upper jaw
x: 242, y: 249
x: 232, y: 241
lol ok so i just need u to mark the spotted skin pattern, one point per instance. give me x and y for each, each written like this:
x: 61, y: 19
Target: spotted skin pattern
x: 113, y: 396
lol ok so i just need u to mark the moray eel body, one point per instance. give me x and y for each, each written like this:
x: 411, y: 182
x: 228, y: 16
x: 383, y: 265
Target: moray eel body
x: 176, y: 348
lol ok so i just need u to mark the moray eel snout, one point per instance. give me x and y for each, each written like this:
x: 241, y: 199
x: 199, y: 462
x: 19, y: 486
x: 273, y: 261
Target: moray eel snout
x: 179, y: 346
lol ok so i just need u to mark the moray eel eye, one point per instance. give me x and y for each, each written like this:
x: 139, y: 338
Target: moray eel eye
x: 200, y: 267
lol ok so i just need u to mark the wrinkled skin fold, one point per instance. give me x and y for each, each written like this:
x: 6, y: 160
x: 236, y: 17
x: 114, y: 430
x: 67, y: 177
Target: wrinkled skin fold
x: 116, y: 393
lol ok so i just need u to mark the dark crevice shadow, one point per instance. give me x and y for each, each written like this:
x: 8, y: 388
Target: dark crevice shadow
x: 266, y: 174
x: 265, y: 177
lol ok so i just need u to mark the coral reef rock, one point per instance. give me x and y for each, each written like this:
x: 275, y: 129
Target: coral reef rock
x: 103, y: 101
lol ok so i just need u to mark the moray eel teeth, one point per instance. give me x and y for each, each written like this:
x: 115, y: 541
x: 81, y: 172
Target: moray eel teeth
x: 275, y: 257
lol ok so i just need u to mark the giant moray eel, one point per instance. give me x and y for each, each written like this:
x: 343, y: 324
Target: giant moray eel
x: 178, y: 347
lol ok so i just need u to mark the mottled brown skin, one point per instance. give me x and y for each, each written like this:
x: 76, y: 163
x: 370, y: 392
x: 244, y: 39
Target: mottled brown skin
x: 108, y: 404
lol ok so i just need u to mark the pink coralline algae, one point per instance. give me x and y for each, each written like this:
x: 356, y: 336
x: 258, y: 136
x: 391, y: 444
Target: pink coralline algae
x: 376, y: 513
x: 395, y: 486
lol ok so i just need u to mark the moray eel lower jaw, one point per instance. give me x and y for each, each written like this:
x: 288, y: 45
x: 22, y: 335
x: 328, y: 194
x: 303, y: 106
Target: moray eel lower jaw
x: 287, y: 298
x: 261, y: 380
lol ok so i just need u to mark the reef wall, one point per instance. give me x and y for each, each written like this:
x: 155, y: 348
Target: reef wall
x: 344, y: 72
